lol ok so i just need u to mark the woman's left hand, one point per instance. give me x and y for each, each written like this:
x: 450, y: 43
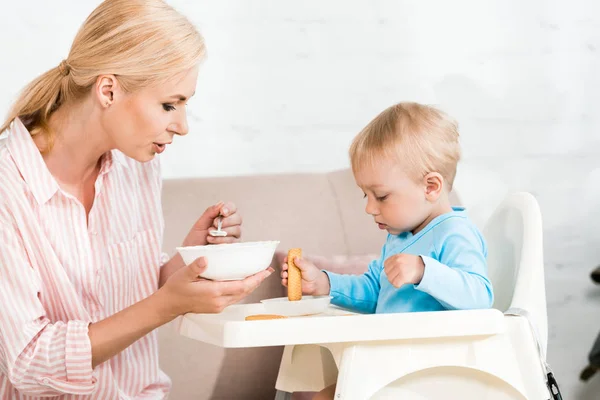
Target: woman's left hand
x: 231, y: 223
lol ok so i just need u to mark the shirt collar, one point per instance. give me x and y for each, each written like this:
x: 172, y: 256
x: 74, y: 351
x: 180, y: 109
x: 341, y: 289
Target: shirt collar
x: 33, y: 168
x: 30, y: 163
x: 110, y: 159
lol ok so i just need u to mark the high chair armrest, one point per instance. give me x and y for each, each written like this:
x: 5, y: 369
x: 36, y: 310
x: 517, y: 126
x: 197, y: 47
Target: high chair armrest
x: 229, y: 329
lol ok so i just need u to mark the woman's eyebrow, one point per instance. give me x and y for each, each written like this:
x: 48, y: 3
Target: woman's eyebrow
x: 181, y: 97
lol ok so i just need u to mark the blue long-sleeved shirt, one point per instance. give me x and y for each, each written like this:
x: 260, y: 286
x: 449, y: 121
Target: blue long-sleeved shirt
x: 454, y: 253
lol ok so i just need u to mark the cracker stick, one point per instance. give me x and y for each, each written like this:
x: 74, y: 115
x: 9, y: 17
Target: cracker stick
x: 264, y: 317
x: 294, y: 276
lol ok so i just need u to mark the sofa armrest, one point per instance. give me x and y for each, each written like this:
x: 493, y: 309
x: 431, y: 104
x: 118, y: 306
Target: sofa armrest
x: 342, y: 264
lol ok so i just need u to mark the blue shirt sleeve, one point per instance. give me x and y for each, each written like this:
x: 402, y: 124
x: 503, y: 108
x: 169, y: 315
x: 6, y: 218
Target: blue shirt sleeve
x: 458, y: 278
x: 357, y: 292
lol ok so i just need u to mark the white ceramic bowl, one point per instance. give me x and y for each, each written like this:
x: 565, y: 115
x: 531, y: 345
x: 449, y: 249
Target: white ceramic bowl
x: 231, y: 262
x: 307, y: 306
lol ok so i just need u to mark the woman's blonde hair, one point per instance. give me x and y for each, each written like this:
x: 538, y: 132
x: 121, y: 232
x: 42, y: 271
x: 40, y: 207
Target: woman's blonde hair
x: 141, y: 42
x: 422, y: 138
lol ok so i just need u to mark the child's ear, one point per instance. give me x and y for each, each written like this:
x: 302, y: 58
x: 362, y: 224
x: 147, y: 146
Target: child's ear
x: 434, y: 185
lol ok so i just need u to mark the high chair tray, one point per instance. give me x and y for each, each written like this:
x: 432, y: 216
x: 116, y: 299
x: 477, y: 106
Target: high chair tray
x: 230, y: 329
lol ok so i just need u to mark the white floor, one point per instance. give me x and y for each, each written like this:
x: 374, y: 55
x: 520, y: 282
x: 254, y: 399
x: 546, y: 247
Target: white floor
x: 573, y: 308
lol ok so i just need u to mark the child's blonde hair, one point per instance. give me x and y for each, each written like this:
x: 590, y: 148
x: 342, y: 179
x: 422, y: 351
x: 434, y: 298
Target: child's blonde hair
x: 141, y: 42
x: 422, y: 138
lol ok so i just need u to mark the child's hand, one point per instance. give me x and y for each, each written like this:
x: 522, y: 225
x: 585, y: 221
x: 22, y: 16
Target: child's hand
x: 314, y: 281
x: 404, y: 268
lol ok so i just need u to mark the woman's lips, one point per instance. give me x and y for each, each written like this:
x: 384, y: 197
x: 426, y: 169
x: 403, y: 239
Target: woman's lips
x: 160, y: 147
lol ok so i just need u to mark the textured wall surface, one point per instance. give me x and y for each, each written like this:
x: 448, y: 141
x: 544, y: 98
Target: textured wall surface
x: 287, y: 84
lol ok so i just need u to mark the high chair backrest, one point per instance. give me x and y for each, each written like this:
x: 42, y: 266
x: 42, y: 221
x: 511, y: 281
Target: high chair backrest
x: 515, y: 259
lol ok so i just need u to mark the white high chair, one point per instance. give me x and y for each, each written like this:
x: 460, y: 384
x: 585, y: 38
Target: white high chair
x: 470, y: 354
x: 456, y: 361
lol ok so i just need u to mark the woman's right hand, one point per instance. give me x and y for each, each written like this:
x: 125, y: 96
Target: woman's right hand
x: 314, y: 281
x: 185, y: 292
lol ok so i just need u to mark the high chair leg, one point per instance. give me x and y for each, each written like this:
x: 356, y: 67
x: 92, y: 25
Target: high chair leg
x: 306, y: 368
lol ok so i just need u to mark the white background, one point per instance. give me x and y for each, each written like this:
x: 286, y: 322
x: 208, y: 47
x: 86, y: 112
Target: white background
x: 287, y: 84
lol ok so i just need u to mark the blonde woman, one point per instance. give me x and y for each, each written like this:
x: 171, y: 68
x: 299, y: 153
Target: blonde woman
x: 83, y: 283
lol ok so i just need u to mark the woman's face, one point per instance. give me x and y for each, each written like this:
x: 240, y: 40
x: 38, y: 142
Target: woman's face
x: 141, y: 124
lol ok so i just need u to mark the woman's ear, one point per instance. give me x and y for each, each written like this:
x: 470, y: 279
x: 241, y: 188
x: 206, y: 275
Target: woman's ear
x: 105, y: 88
x: 434, y: 186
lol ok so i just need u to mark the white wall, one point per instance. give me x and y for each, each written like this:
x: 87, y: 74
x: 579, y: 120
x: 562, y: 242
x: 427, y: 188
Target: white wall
x: 287, y: 84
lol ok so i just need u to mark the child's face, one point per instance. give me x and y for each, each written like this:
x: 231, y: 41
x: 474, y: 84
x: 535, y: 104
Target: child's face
x: 396, y: 202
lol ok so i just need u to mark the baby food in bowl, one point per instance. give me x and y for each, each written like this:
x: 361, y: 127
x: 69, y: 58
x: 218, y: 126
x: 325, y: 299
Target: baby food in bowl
x: 231, y: 261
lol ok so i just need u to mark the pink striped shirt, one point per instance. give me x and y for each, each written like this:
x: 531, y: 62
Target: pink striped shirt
x: 59, y: 273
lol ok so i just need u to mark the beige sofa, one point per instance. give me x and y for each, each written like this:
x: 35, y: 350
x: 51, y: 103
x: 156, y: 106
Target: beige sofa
x: 321, y: 213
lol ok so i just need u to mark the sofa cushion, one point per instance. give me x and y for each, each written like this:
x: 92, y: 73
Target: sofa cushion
x: 300, y: 211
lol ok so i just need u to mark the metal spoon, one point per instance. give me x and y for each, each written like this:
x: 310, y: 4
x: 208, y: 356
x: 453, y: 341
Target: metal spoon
x: 218, y: 232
